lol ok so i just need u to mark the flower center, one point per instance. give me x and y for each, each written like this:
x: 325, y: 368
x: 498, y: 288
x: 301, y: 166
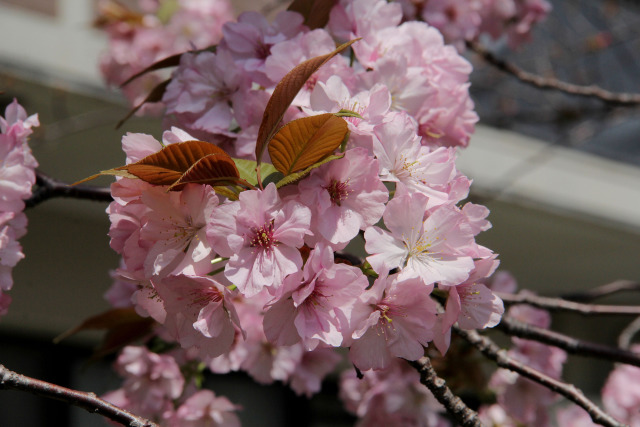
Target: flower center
x: 263, y: 50
x: 263, y: 236
x: 338, y: 191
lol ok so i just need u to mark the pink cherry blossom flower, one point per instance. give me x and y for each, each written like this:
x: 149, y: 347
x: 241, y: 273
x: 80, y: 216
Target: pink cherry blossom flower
x: 289, y: 53
x: 621, y: 393
x: 251, y: 38
x: 430, y: 248
x: 471, y: 303
x: 403, y: 159
x: 394, y: 320
x: 458, y: 20
x: 262, y: 236
x: 17, y: 164
x: 17, y: 177
x: 390, y: 397
x: 200, y: 313
x: 347, y: 196
x: 575, y: 416
x: 136, y: 44
x: 175, y: 227
x: 204, y: 409
x: 151, y: 382
x: 318, y: 304
x: 314, y: 366
x: 202, y: 91
x: 360, y: 18
x: 371, y: 104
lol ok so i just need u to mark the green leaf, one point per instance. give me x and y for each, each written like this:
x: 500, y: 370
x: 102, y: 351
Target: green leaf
x: 292, y: 178
x: 247, y: 169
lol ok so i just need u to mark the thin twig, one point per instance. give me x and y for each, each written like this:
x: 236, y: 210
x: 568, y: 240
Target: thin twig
x: 559, y: 304
x: 88, y: 401
x: 603, y: 291
x: 572, y: 345
x: 48, y: 188
x: 487, y: 347
x: 627, y: 334
x: 591, y: 91
x: 465, y: 416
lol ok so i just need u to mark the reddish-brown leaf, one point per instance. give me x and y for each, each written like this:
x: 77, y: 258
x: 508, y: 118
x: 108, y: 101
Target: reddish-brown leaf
x: 304, y: 142
x: 170, y: 61
x: 213, y: 169
x: 123, y: 335
x: 155, y: 95
x: 110, y: 319
x: 284, y: 93
x: 167, y: 166
x: 315, y: 12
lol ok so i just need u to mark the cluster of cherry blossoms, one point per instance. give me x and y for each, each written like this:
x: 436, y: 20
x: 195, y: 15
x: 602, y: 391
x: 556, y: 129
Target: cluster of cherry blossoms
x: 466, y: 20
x: 161, y: 28
x: 17, y: 176
x: 255, y: 280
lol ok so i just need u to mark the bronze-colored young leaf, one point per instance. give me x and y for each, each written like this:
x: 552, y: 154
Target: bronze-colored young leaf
x: 306, y: 141
x: 315, y: 12
x: 113, y: 12
x: 169, y: 61
x: 167, y: 166
x: 294, y: 177
x: 155, y: 95
x: 214, y: 169
x: 115, y: 172
x: 106, y: 320
x: 285, y: 92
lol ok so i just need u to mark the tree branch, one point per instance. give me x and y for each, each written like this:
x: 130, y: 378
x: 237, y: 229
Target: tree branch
x: 511, y: 326
x: 454, y: 405
x: 603, y: 291
x: 558, y: 304
x: 88, y: 401
x: 487, y: 347
x: 540, y: 82
x: 627, y: 334
x: 49, y: 188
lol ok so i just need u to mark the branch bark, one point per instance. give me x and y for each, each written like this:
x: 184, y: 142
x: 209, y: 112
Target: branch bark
x: 490, y: 350
x: 465, y: 416
x: 48, y: 188
x: 603, y: 291
x: 513, y: 327
x: 88, y: 401
x: 549, y: 83
x: 559, y: 304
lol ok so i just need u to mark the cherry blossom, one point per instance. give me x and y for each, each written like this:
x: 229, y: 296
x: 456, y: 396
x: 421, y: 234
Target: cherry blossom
x: 621, y: 394
x: 347, y: 196
x: 319, y: 302
x: 200, y: 313
x: 151, y: 381
x: 204, y: 409
x: 251, y: 38
x: 395, y: 320
x: 262, y: 237
x: 428, y: 248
